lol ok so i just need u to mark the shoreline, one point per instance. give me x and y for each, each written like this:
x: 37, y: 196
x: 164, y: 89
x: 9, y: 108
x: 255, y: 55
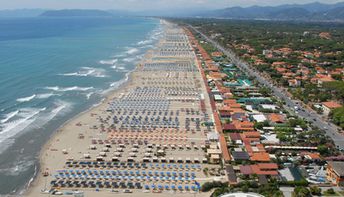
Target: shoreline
x: 106, y: 97
x: 111, y: 92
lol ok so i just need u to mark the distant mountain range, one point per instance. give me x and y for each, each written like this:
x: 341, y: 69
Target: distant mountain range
x: 21, y: 13
x: 307, y: 12
x: 312, y: 11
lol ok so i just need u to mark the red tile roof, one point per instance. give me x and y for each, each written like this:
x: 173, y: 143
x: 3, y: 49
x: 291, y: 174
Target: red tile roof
x: 224, y: 148
x: 331, y: 104
x: 260, y: 156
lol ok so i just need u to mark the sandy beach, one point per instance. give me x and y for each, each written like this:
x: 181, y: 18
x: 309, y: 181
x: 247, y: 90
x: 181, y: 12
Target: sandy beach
x: 148, y: 137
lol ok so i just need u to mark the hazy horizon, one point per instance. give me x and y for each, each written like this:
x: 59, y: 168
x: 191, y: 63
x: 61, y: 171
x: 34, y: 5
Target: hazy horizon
x: 146, y: 5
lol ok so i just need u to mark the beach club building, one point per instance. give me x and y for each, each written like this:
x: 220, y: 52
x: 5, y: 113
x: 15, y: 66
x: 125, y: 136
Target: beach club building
x: 335, y: 172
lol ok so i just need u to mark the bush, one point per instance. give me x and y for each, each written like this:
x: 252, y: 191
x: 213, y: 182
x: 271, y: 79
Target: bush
x: 301, y: 191
x: 315, y: 190
x: 210, y: 185
x: 330, y: 191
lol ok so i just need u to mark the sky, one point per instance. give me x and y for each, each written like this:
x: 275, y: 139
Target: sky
x: 141, y: 5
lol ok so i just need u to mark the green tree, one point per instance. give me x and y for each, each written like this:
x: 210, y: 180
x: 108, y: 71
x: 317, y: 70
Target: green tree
x: 323, y: 150
x: 301, y: 191
x: 315, y: 190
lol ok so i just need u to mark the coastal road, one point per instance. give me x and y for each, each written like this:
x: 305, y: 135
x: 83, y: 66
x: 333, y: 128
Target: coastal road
x: 296, y: 106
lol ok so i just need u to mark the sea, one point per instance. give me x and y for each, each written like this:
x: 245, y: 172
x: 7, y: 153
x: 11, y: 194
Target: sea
x: 52, y: 69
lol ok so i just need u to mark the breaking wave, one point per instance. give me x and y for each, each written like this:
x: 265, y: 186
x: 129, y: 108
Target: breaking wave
x: 132, y: 51
x: 87, y: 72
x: 66, y: 89
x: 109, y: 62
x: 26, y: 99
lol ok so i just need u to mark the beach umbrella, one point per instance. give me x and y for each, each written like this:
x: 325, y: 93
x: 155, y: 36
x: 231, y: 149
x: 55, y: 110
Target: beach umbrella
x: 173, y: 186
x: 180, y: 187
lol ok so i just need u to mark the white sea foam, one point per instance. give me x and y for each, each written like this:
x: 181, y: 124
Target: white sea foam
x: 9, y: 116
x: 116, y: 84
x: 19, y: 167
x: 88, y: 96
x: 46, y: 95
x: 87, y: 72
x: 129, y: 59
x: 131, y: 51
x: 24, y: 118
x: 110, y: 62
x: 59, y: 106
x: 144, y: 42
x: 26, y: 99
x: 66, y: 89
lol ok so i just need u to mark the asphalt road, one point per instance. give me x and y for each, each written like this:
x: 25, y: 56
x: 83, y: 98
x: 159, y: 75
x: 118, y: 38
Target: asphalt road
x: 314, y: 118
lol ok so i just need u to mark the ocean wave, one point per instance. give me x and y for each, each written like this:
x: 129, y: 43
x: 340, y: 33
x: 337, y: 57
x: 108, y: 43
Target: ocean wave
x: 9, y: 116
x: 87, y: 72
x: 46, y: 95
x: 110, y: 62
x: 26, y: 99
x: 22, y: 165
x: 144, y: 42
x: 132, y: 51
x: 116, y: 84
x: 88, y: 96
x: 129, y: 59
x: 24, y: 118
x: 66, y: 89
x: 59, y: 106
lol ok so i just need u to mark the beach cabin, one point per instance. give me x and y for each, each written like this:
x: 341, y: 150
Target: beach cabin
x: 115, y: 159
x: 171, y: 160
x: 132, y: 154
x: 155, y: 159
x: 87, y: 156
x: 99, y: 159
x: 187, y: 160
x: 161, y: 152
